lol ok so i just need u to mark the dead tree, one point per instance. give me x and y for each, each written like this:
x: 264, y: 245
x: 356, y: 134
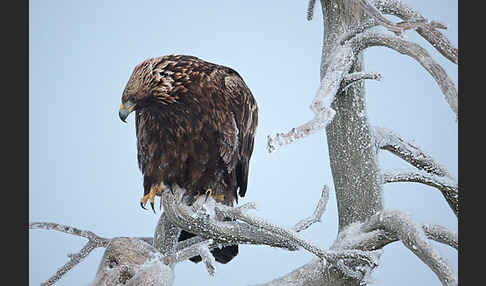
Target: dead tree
x: 365, y: 227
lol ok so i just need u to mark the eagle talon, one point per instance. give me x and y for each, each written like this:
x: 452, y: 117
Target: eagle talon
x: 208, y: 193
x: 155, y: 190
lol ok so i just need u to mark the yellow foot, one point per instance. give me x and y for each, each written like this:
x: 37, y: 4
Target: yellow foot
x: 216, y: 197
x: 155, y: 190
x: 209, y: 192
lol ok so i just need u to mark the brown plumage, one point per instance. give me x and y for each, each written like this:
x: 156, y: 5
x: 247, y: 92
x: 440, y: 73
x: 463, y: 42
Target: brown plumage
x: 195, y: 125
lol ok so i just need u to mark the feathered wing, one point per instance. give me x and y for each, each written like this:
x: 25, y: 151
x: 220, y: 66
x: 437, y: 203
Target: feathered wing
x: 245, y: 112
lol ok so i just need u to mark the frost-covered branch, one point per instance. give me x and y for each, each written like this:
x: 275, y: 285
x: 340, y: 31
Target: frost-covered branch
x: 430, y: 172
x: 357, y: 76
x: 428, y: 30
x: 447, y: 86
x: 202, y: 224
x: 388, y: 140
x: 339, y: 65
x: 371, y: 11
x: 397, y: 28
x: 445, y: 185
x: 130, y: 261
x: 166, y: 235
x: 441, y: 234
x: 208, y: 259
x: 97, y: 240
x: 310, y: 9
x: 317, y: 214
x: 300, y: 226
x: 414, y: 238
x: 94, y: 241
x: 360, y: 235
x: 285, y: 233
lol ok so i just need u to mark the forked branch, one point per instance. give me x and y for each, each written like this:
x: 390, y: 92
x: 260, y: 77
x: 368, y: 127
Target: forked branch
x: 429, y: 171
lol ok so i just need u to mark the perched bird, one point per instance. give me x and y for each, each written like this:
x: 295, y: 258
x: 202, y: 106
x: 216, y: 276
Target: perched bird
x: 195, y: 125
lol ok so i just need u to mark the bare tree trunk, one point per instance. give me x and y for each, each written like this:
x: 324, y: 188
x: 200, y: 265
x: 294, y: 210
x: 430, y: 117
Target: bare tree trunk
x: 353, y: 161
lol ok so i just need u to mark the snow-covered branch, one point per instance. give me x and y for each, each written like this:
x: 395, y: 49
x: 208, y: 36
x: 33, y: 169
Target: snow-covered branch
x: 94, y: 241
x: 414, y: 238
x: 428, y: 30
x: 388, y: 140
x: 357, y: 76
x: 445, y: 185
x: 97, y: 240
x: 429, y: 171
x: 200, y: 219
x: 397, y: 28
x: 130, y: 261
x: 374, y: 13
x: 371, y: 39
x: 413, y: 20
x: 339, y: 65
x: 366, y: 236
x: 441, y: 234
x: 310, y: 9
x: 202, y: 223
x: 166, y: 235
x: 317, y: 214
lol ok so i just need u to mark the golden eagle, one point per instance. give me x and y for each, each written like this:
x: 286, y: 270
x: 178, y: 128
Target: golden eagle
x: 195, y: 124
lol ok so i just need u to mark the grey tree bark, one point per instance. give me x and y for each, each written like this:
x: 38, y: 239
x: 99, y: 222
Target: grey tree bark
x: 339, y: 106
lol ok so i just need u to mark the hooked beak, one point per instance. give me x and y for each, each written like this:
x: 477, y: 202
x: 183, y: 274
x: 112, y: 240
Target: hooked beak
x: 125, y: 110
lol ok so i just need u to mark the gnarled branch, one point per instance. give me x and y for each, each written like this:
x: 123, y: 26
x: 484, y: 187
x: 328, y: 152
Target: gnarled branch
x: 445, y: 185
x: 388, y: 140
x: 94, y: 241
x: 413, y: 237
x: 428, y: 31
x: 447, y: 86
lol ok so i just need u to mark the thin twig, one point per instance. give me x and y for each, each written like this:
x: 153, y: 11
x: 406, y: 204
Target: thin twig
x: 358, y: 76
x: 441, y: 234
x: 310, y: 9
x: 317, y: 214
x: 75, y: 260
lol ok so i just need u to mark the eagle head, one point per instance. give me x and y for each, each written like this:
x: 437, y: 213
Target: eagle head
x: 149, y: 84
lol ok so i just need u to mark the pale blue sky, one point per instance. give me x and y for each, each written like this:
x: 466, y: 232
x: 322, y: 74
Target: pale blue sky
x: 83, y: 170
